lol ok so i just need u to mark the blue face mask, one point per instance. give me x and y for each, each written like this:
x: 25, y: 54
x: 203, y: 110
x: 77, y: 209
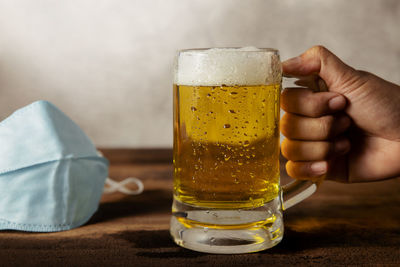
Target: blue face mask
x: 51, y: 176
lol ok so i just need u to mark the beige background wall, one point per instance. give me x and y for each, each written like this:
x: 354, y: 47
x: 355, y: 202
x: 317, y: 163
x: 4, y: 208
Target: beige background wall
x: 107, y: 63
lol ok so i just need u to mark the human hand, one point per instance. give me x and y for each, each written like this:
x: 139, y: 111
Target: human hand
x: 350, y: 133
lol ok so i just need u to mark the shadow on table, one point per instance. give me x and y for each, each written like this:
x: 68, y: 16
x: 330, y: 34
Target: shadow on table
x: 158, y: 244
x: 150, y: 201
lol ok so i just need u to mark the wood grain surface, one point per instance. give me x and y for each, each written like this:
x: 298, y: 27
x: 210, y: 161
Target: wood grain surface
x: 341, y: 224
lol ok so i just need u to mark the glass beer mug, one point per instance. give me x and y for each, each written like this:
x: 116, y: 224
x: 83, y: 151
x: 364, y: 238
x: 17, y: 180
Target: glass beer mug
x: 227, y: 193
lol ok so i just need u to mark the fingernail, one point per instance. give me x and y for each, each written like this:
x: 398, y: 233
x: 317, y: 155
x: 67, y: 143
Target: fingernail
x: 337, y: 103
x: 342, y: 146
x: 292, y: 61
x: 319, y: 167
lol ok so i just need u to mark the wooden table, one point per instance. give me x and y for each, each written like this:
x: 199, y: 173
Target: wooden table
x: 357, y: 224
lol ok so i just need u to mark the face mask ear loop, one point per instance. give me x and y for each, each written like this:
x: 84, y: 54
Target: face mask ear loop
x: 115, y: 186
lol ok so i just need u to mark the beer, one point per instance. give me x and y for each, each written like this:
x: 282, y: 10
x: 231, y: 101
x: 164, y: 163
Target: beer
x: 226, y: 145
x: 226, y: 151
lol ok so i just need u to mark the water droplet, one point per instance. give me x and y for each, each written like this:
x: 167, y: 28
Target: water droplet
x: 193, y: 109
x: 246, y: 122
x: 246, y: 143
x: 227, y: 125
x: 225, y: 102
x: 205, y: 132
x: 227, y: 157
x: 208, y: 95
x: 236, y: 180
x: 231, y: 111
x: 234, y: 93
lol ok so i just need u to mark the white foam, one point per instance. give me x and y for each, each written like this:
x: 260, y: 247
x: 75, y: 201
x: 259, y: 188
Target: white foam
x: 229, y: 66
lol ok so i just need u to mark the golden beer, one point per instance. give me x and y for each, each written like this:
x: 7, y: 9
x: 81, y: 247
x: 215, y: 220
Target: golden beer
x: 226, y: 151
x: 226, y: 145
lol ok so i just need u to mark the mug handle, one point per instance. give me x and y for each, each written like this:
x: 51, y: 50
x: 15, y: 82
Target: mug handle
x: 296, y: 191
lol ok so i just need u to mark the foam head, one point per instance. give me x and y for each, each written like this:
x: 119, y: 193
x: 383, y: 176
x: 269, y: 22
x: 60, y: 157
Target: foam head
x: 229, y: 66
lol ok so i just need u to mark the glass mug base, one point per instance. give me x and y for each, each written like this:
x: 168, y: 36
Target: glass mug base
x: 227, y: 231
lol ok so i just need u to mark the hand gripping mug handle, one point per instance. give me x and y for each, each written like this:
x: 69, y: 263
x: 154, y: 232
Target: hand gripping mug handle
x: 296, y: 192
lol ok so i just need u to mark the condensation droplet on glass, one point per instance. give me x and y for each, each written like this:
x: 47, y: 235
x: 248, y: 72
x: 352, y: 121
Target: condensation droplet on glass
x: 227, y: 125
x: 246, y: 143
x: 193, y: 109
x: 231, y: 111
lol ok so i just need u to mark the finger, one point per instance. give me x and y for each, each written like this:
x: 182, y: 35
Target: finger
x: 314, y: 82
x: 306, y: 170
x: 313, y: 129
x: 318, y: 60
x: 295, y: 150
x: 303, y: 101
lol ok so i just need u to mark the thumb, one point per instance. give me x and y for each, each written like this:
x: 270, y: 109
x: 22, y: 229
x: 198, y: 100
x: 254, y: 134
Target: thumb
x: 319, y: 60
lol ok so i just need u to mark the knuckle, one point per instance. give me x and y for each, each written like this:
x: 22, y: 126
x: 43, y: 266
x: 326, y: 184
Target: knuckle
x: 314, y: 107
x: 285, y: 149
x: 325, y: 150
x: 286, y: 125
x: 325, y: 124
x: 319, y: 50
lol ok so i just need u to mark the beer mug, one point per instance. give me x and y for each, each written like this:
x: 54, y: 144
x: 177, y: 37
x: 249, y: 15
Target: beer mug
x: 227, y: 193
